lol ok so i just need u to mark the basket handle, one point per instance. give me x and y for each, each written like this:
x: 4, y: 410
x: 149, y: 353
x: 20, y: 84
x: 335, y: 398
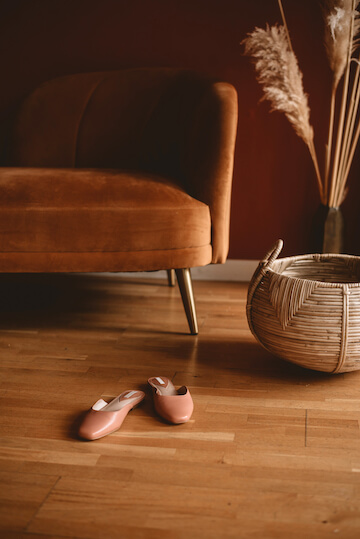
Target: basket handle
x: 263, y: 267
x: 272, y: 255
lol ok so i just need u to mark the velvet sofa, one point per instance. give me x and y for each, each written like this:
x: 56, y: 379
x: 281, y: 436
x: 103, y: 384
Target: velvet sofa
x: 120, y: 171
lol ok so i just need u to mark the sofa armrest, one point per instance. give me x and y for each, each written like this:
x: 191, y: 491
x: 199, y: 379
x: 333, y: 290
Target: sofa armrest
x: 210, y: 158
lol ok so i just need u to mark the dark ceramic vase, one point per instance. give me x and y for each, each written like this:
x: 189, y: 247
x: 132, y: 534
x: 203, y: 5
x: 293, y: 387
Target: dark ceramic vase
x: 328, y: 230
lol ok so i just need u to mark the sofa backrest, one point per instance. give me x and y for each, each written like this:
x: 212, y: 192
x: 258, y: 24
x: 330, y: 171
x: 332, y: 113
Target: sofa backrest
x: 136, y: 119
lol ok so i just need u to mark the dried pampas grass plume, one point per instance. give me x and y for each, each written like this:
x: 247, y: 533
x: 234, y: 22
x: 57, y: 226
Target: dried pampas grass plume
x: 341, y: 28
x: 278, y: 73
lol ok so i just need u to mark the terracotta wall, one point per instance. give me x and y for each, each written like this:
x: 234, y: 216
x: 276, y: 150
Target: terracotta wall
x: 274, y: 193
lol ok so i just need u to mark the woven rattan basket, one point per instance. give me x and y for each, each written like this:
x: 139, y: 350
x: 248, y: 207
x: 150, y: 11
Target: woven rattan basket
x: 306, y: 309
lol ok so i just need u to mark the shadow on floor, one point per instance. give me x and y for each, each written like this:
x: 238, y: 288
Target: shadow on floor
x: 30, y: 301
x: 46, y: 301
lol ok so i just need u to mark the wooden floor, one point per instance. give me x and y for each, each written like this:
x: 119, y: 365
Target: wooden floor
x: 272, y: 450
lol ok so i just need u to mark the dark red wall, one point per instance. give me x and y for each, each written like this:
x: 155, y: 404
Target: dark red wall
x: 274, y: 192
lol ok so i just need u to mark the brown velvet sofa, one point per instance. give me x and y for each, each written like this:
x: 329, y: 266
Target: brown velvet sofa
x: 120, y: 171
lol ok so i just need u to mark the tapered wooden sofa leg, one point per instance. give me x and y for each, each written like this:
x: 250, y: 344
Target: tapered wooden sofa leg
x: 186, y: 290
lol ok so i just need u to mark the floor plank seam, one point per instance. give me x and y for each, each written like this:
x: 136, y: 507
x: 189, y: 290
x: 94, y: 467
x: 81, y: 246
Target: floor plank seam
x: 306, y: 426
x: 41, y: 505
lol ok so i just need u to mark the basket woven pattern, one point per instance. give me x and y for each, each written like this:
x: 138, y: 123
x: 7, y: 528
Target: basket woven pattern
x: 306, y: 309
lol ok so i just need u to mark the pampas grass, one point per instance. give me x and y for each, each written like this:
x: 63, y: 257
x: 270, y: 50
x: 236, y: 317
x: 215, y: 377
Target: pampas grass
x: 278, y: 73
x: 338, y: 20
x: 281, y: 80
x: 341, y: 39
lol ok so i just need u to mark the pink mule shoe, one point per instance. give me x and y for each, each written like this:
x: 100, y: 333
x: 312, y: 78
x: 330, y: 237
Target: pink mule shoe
x: 104, y: 418
x: 176, y: 406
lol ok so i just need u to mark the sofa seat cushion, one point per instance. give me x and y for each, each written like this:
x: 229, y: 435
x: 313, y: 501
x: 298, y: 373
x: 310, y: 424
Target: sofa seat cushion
x: 44, y: 210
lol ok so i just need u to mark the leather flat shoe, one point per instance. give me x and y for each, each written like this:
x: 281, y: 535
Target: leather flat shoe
x: 176, y: 406
x: 104, y: 418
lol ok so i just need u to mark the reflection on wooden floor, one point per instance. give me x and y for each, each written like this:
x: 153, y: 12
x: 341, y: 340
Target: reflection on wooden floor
x: 272, y: 450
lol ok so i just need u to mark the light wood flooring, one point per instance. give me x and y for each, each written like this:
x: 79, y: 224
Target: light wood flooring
x: 272, y: 450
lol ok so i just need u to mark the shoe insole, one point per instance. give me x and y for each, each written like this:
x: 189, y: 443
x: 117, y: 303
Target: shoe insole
x: 126, y: 398
x: 163, y: 385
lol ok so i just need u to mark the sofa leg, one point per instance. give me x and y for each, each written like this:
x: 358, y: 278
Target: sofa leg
x: 186, y: 290
x: 171, y: 277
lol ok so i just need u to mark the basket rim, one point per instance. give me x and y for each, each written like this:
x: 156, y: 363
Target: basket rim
x: 318, y: 258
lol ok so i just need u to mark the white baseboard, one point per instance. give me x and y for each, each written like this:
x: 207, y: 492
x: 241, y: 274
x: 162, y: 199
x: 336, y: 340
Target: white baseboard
x: 232, y: 270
